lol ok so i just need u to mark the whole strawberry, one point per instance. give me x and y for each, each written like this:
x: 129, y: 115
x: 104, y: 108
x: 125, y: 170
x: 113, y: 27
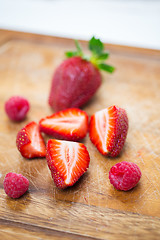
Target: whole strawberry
x: 77, y: 79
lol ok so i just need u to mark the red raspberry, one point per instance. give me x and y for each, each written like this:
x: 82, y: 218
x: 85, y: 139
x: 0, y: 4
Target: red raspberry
x: 15, y: 185
x: 124, y: 175
x: 16, y: 108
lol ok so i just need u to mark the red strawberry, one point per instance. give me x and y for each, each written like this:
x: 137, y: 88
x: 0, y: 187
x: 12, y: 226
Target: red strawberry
x: 67, y: 161
x: 69, y: 124
x: 108, y: 130
x: 73, y: 84
x: 76, y: 80
x: 30, y: 142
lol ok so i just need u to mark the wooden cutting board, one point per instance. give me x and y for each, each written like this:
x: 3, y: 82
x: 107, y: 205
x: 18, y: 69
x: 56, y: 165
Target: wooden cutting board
x: 92, y: 209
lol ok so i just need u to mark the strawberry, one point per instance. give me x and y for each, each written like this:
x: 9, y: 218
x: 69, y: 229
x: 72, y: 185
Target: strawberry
x: 67, y: 161
x: 77, y: 79
x: 30, y: 142
x: 69, y: 124
x: 108, y: 130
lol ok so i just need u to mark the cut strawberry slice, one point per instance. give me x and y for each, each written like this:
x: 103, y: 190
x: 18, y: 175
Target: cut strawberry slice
x: 70, y: 124
x: 30, y: 142
x: 108, y: 130
x: 67, y: 161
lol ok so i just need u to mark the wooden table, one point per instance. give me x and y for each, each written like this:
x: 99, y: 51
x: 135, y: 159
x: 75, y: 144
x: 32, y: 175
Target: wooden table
x: 92, y: 209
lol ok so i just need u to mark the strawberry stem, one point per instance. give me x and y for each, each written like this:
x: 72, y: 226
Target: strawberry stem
x: 98, y: 56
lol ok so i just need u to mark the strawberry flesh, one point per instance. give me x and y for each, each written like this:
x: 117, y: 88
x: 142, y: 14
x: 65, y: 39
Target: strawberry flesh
x: 69, y: 124
x: 67, y: 161
x: 75, y: 81
x: 108, y: 130
x: 30, y: 142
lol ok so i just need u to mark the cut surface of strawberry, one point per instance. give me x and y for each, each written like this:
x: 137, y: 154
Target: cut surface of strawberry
x: 30, y: 142
x: 67, y: 161
x: 108, y: 130
x: 69, y: 124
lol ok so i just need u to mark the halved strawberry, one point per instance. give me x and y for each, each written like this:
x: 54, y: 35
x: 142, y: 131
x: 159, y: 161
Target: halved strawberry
x: 70, y: 124
x: 108, y: 130
x: 67, y: 161
x: 30, y: 142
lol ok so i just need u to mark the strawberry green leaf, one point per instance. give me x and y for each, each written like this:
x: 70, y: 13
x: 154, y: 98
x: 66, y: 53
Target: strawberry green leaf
x: 97, y: 57
x: 71, y: 54
x: 75, y: 53
x: 79, y: 49
x: 103, y: 56
x: 106, y: 67
x: 96, y: 46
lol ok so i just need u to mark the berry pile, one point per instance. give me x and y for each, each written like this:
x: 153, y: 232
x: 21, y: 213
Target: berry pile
x: 73, y: 84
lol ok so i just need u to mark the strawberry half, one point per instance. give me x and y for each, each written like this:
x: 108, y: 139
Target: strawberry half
x: 67, y: 161
x: 30, y: 142
x: 69, y: 124
x: 108, y: 130
x: 77, y: 79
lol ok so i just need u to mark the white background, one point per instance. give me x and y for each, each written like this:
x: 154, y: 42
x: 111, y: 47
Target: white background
x: 132, y: 22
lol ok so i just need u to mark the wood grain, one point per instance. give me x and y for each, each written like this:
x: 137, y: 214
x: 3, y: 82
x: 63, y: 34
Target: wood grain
x: 83, y: 219
x: 92, y: 209
x: 14, y: 230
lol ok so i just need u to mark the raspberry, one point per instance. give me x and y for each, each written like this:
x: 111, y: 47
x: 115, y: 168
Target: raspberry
x: 15, y: 185
x: 16, y: 108
x: 124, y: 175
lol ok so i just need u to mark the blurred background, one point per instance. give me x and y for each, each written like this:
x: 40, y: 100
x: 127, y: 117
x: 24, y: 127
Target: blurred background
x: 124, y: 22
